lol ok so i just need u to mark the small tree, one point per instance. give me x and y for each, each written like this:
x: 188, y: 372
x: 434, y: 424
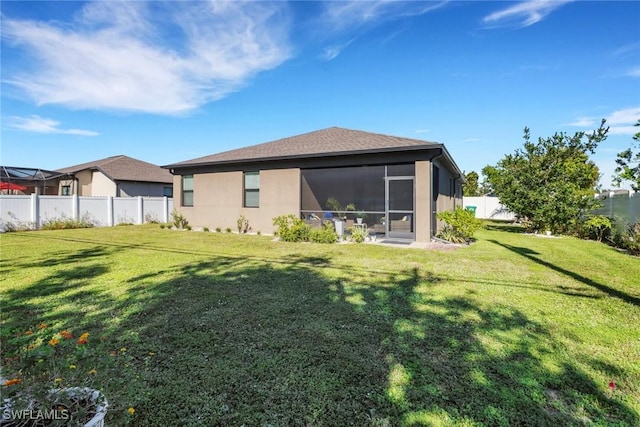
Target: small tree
x: 626, y: 171
x: 470, y: 187
x: 550, y: 183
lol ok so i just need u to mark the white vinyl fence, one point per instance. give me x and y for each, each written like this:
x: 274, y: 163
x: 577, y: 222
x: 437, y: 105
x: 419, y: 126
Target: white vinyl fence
x: 488, y: 207
x: 33, y: 210
x: 624, y: 208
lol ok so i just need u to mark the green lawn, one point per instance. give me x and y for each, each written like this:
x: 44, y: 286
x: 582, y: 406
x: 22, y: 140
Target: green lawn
x: 235, y: 330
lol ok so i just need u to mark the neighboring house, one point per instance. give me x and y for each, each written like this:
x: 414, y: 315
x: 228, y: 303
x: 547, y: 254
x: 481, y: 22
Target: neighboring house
x: 19, y: 180
x: 117, y: 176
x: 398, y: 183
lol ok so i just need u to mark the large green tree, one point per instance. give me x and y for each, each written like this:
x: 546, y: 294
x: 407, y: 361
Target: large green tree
x: 550, y: 183
x: 470, y: 187
x: 626, y: 171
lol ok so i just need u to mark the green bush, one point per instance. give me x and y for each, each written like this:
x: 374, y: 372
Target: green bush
x: 598, y: 226
x: 460, y: 224
x: 179, y: 220
x: 292, y: 228
x: 205, y: 229
x: 64, y: 223
x: 228, y: 230
x: 243, y: 224
x: 358, y: 234
x: 218, y: 230
x: 326, y: 234
x: 449, y: 234
x: 628, y: 238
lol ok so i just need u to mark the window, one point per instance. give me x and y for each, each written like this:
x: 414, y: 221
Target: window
x: 167, y: 191
x: 66, y: 190
x: 251, y: 189
x: 187, y: 190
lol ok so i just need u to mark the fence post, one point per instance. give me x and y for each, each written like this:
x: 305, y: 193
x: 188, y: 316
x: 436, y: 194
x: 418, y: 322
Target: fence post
x: 110, y: 219
x: 165, y: 209
x: 35, y: 210
x: 140, y: 210
x: 75, y: 206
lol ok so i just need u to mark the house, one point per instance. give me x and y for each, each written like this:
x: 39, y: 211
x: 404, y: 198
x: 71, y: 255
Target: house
x: 398, y: 184
x: 117, y: 176
x: 22, y: 180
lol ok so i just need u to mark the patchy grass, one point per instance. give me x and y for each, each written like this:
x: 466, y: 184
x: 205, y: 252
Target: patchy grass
x: 512, y: 330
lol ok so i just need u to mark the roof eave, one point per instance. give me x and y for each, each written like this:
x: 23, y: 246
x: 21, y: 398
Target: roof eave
x: 429, y: 146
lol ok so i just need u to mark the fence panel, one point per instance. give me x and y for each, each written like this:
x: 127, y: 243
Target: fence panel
x: 54, y: 207
x: 153, y: 210
x: 95, y: 210
x: 488, y: 207
x: 15, y: 209
x: 125, y: 210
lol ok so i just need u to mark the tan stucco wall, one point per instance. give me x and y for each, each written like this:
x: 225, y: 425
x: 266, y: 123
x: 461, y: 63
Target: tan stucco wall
x: 101, y: 185
x: 218, y: 199
x: 84, y: 183
x: 423, y: 201
x: 446, y: 199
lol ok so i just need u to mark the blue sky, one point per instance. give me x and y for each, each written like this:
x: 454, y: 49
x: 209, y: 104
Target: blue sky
x: 170, y: 81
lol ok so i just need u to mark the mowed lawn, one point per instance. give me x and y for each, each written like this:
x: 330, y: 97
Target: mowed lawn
x: 241, y: 330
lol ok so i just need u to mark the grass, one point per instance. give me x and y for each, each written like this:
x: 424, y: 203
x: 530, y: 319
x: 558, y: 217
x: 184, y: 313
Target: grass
x: 512, y: 330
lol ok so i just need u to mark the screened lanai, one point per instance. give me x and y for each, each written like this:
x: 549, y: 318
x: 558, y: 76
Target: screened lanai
x: 33, y: 180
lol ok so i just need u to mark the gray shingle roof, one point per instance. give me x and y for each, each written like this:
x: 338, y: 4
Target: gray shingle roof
x: 123, y: 168
x: 326, y: 142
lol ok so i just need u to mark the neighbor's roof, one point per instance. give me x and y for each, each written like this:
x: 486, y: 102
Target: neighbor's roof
x: 123, y: 168
x: 325, y: 142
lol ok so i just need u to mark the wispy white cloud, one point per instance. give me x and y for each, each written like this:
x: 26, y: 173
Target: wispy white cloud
x: 353, y: 17
x: 39, y: 124
x: 620, y: 122
x: 582, y: 122
x: 341, y: 15
x: 523, y: 14
x: 627, y: 49
x: 114, y: 55
x: 471, y: 140
x: 423, y: 130
x: 625, y: 116
x: 634, y: 72
x: 331, y: 52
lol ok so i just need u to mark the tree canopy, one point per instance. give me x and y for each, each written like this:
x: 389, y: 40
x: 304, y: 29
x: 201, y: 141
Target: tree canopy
x: 626, y: 171
x: 549, y: 183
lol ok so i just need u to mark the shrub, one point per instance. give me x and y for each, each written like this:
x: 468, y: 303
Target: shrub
x: 188, y: 227
x: 64, y: 223
x: 599, y: 226
x: 358, y: 234
x: 179, y: 221
x: 162, y: 226
x: 462, y: 224
x: 228, y: 230
x: 205, y: 229
x: 326, y: 234
x: 628, y: 238
x: 449, y: 234
x: 292, y: 228
x: 16, y: 225
x: 218, y: 230
x: 151, y: 218
x: 242, y: 224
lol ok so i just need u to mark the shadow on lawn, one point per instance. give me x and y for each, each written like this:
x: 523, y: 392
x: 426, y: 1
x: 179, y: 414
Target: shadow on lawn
x: 531, y: 255
x: 249, y: 341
